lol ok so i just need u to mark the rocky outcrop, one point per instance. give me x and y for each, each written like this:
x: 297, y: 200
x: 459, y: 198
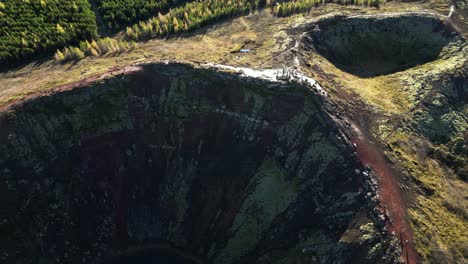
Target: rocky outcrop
x: 226, y: 169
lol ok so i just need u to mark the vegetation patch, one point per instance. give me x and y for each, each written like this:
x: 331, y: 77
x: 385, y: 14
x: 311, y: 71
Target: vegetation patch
x: 287, y: 8
x: 32, y: 27
x: 118, y: 13
x: 94, y: 48
x: 190, y: 17
x: 194, y: 15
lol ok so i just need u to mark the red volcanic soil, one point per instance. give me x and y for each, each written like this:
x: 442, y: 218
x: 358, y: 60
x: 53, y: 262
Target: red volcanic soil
x: 391, y: 201
x: 70, y: 86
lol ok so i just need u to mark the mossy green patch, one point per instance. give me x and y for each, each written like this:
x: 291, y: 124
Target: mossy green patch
x: 271, y: 194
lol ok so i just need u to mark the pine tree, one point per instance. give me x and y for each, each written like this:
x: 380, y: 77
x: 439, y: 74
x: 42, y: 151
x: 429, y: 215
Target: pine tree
x: 59, y: 56
x: 175, y: 23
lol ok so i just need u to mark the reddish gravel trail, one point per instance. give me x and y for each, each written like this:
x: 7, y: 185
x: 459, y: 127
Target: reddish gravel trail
x: 392, y: 203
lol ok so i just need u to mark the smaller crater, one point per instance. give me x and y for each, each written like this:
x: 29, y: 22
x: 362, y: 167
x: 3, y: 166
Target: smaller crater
x: 368, y: 46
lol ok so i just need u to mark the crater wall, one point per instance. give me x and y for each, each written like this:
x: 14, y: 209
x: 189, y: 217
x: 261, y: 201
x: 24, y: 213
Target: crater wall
x: 223, y: 168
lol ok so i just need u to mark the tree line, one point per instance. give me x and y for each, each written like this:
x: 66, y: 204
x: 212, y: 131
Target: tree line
x: 34, y: 27
x: 189, y: 17
x: 120, y: 13
x: 194, y: 15
x: 284, y: 9
x: 93, y: 48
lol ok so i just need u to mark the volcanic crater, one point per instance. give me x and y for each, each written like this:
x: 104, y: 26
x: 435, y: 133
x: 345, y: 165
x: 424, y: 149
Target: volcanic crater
x: 223, y: 168
x: 373, y: 45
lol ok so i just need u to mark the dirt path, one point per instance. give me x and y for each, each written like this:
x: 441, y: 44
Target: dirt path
x: 392, y: 203
x: 457, y: 19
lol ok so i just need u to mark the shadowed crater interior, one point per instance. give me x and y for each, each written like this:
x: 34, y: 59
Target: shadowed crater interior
x: 151, y: 256
x: 224, y: 168
x: 367, y: 46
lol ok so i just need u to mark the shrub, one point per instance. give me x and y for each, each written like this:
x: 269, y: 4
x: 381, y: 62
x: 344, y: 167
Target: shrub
x: 94, y: 48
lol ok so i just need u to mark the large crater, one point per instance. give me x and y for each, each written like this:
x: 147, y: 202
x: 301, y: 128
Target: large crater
x: 367, y: 46
x: 223, y: 169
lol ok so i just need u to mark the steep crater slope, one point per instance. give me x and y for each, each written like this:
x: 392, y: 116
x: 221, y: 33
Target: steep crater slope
x: 418, y: 116
x: 224, y: 168
x: 370, y: 45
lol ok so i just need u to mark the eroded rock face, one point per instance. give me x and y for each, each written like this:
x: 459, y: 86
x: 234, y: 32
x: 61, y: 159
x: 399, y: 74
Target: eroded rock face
x: 227, y: 169
x: 367, y: 46
x: 441, y: 118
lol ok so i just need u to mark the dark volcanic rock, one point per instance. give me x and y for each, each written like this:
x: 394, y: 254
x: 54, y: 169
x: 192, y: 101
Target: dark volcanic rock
x: 224, y: 168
